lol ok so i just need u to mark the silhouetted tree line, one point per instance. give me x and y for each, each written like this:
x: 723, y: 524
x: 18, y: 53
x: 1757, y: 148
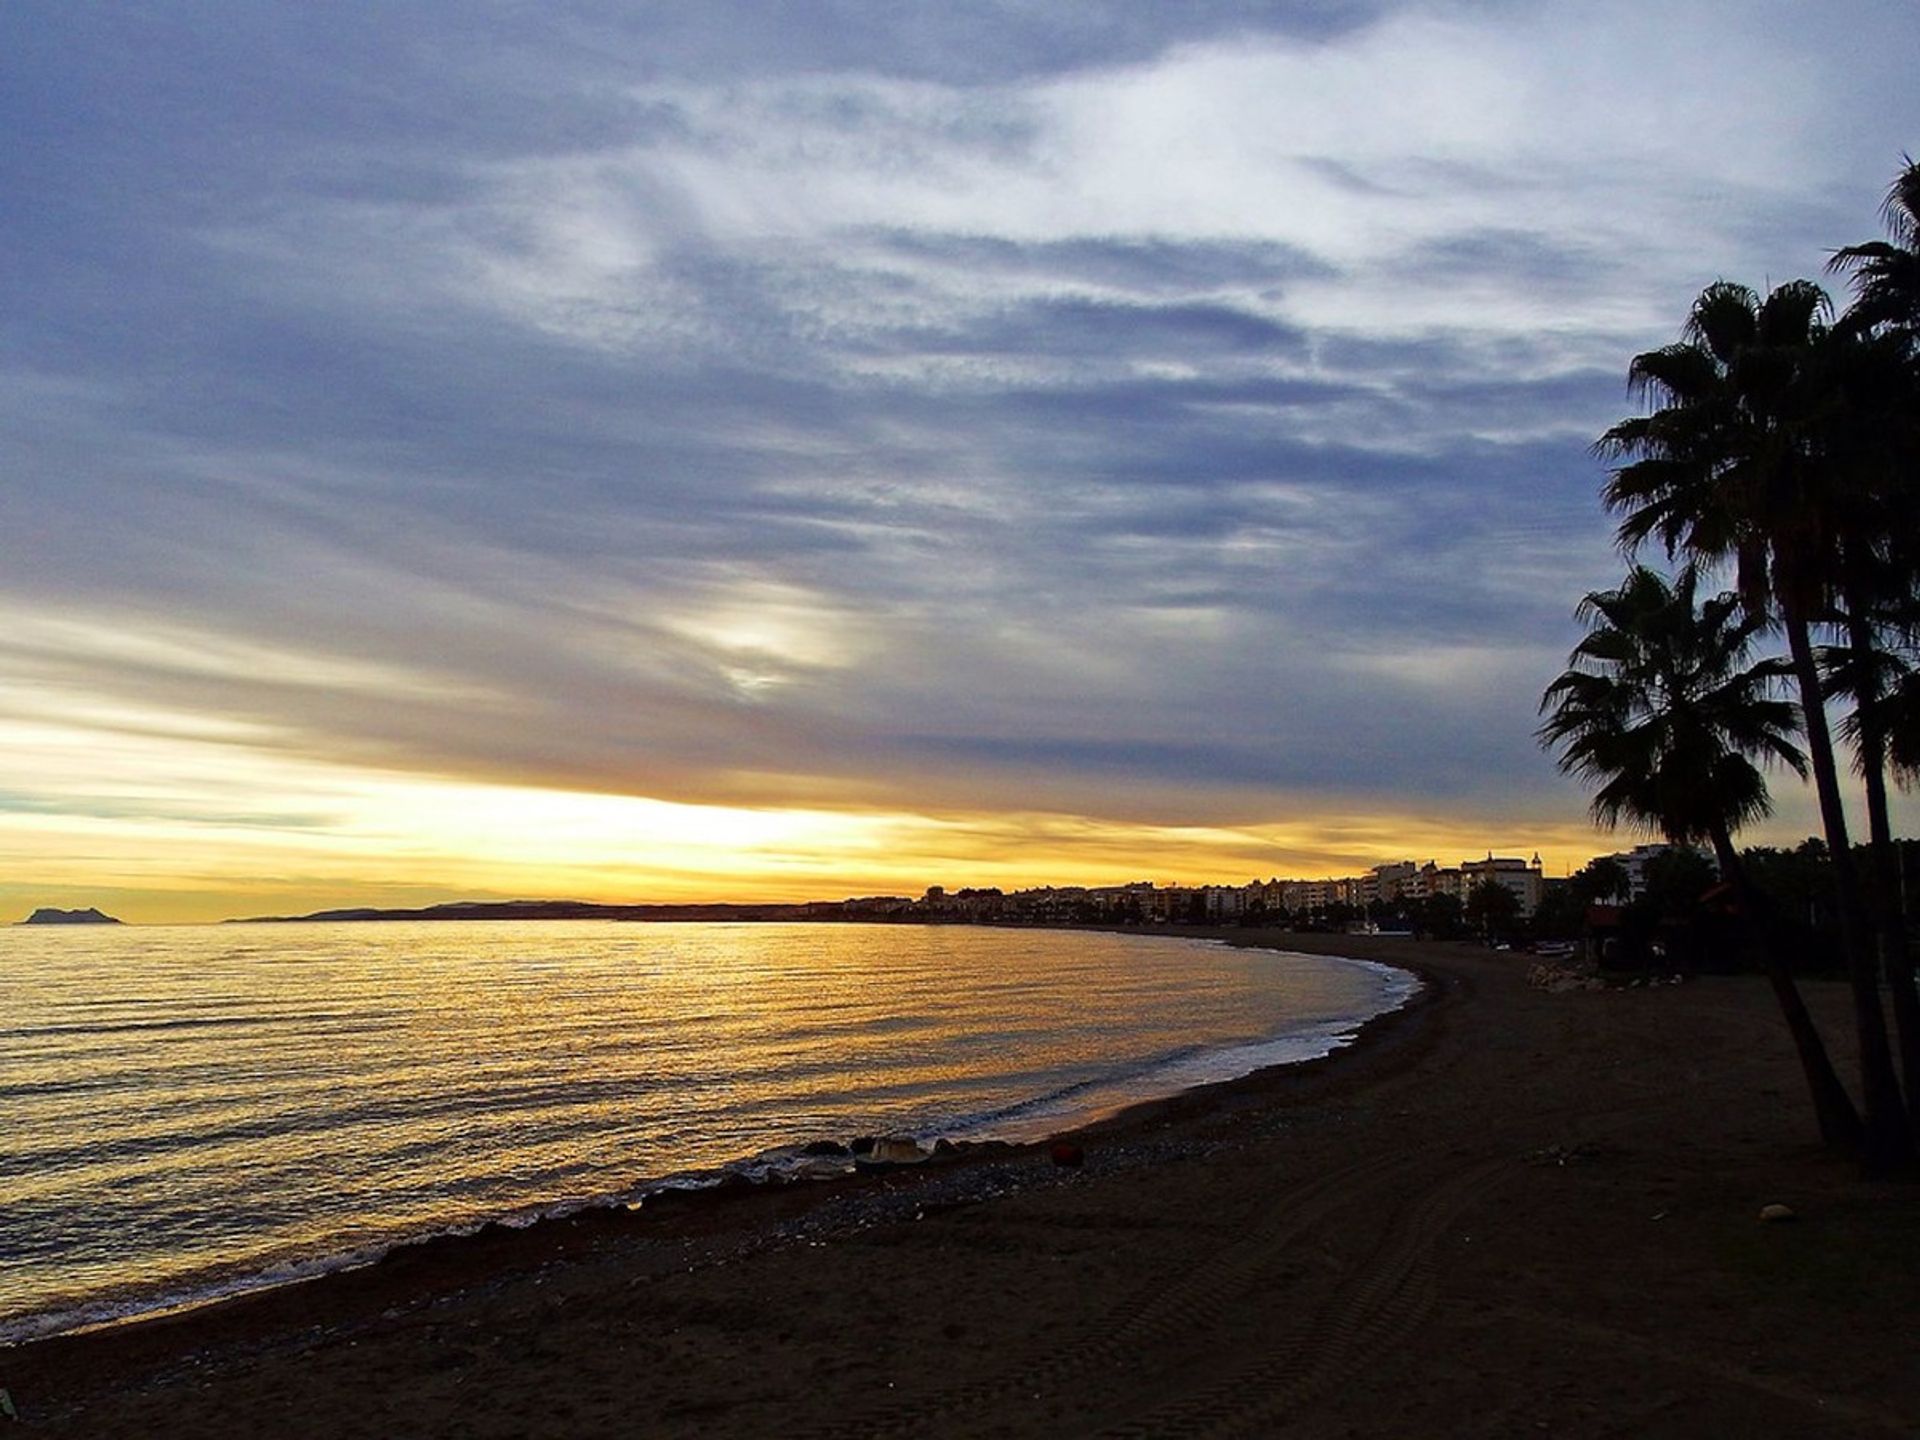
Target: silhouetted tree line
x: 1777, y: 455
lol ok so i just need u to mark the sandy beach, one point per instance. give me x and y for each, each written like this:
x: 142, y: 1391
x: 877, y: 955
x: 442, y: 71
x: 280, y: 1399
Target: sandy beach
x: 1503, y: 1212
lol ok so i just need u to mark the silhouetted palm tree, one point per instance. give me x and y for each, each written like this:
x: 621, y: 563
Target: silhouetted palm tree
x: 1903, y: 722
x: 1872, y: 669
x: 1663, y: 710
x: 1886, y: 273
x: 1735, y: 461
x: 1878, y: 439
x: 1885, y: 276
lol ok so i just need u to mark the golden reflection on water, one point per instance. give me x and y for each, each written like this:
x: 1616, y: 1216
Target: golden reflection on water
x: 191, y: 1102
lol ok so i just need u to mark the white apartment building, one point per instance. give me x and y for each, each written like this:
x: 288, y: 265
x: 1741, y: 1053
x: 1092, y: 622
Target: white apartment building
x: 1636, y: 861
x: 1523, y: 877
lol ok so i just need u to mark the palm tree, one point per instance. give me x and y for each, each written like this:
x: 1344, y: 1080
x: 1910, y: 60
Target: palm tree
x: 1886, y: 273
x: 1605, y: 880
x: 1871, y: 670
x: 1734, y: 462
x: 1491, y: 909
x: 1661, y: 708
x: 1902, y: 701
x: 1880, y: 434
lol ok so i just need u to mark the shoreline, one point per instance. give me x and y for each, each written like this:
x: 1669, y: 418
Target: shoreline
x: 1498, y: 1210
x: 648, y: 1197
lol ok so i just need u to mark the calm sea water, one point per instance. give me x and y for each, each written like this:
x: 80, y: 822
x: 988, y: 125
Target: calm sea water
x: 194, y: 1110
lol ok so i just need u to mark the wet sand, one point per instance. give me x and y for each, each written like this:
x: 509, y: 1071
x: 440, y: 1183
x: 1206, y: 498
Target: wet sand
x: 1503, y: 1212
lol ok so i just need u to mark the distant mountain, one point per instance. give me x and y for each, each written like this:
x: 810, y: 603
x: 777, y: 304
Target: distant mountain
x: 571, y: 910
x: 47, y: 915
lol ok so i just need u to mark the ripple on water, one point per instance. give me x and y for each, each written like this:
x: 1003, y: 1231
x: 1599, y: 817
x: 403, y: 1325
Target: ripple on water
x: 197, y: 1110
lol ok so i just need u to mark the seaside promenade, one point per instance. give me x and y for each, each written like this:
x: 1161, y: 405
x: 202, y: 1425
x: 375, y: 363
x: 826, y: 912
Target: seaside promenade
x: 1506, y: 1212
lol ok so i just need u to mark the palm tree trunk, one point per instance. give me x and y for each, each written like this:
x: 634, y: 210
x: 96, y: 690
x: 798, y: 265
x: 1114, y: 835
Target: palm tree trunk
x: 1896, y: 960
x: 1888, y: 1144
x: 1839, y: 1122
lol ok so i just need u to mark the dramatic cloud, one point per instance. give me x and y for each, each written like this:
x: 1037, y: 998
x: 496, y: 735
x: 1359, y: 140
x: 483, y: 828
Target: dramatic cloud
x: 993, y: 435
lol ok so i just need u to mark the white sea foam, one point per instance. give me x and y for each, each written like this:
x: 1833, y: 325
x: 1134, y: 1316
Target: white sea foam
x: 1048, y: 1115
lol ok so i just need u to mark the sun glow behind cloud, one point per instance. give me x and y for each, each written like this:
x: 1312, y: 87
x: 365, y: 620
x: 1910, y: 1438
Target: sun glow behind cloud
x: 183, y: 821
x: 787, y: 451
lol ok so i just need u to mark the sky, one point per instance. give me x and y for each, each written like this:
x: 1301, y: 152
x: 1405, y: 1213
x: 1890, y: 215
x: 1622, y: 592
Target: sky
x: 764, y: 450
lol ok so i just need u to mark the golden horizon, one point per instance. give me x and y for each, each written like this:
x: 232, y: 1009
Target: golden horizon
x: 156, y: 820
x: 489, y: 844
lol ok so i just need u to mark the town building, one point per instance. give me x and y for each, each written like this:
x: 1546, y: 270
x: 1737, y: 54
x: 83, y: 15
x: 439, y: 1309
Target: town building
x: 1522, y: 877
x: 1637, y: 861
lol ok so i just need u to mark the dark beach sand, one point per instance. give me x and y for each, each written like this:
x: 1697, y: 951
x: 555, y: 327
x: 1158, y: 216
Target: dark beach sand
x: 1505, y: 1212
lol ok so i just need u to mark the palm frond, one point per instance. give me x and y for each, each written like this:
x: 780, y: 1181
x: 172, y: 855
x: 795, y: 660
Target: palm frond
x: 1900, y: 211
x: 1663, y: 710
x: 1791, y: 316
x: 1725, y: 319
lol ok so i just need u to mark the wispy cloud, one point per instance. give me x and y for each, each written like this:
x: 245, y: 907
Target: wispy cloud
x: 1144, y: 418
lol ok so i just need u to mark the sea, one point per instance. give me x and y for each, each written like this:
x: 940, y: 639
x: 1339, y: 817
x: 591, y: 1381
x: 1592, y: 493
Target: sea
x: 192, y: 1112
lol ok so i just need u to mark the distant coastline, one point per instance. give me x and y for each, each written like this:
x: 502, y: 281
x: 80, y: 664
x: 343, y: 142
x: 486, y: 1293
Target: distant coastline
x: 586, y: 910
x: 1405, y: 889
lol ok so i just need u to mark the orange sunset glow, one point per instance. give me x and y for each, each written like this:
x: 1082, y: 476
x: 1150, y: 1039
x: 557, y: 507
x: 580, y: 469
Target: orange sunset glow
x: 1029, y: 718
x: 779, y: 478
x: 168, y: 813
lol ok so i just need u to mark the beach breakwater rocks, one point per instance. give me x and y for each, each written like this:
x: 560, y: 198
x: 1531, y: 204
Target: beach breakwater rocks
x: 1559, y: 979
x: 864, y: 1157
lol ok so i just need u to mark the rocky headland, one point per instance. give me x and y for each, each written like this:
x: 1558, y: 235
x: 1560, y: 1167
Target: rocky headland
x: 47, y: 915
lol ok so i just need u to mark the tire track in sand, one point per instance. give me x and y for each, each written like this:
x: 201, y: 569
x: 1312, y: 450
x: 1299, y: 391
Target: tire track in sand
x: 1154, y: 1314
x: 1819, y: 1405
x: 1369, y: 1314
x: 1378, y: 1305
x: 1373, y: 1310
